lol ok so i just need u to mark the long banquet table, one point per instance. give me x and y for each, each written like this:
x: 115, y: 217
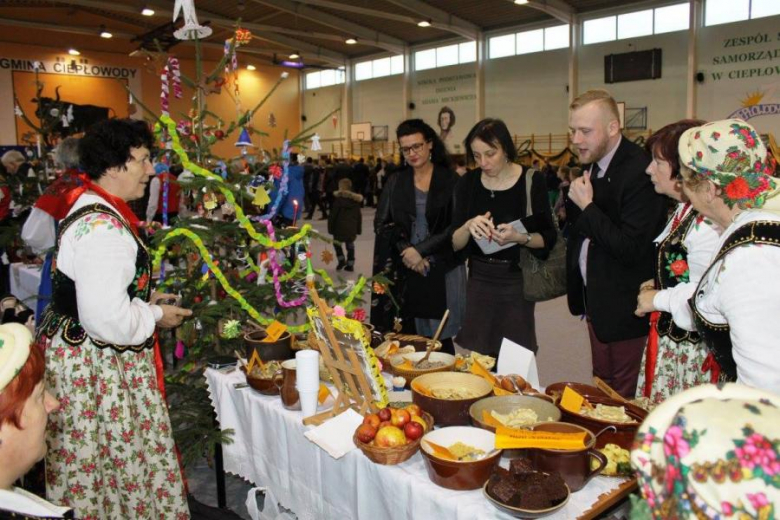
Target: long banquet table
x: 269, y: 449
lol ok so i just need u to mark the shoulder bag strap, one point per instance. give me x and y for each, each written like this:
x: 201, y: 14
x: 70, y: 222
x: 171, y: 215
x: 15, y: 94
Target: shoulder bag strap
x: 529, y: 179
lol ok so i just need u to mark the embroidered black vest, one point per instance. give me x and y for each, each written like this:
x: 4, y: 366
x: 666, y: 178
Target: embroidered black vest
x: 62, y: 313
x: 670, y: 253
x: 716, y: 335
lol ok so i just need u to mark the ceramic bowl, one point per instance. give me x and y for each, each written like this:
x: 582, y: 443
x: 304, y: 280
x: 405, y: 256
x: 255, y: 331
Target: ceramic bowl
x: 409, y: 374
x: 262, y: 385
x: 517, y: 512
x: 504, y: 404
x: 623, y: 434
x: 460, y: 475
x: 448, y: 412
x: 555, y: 390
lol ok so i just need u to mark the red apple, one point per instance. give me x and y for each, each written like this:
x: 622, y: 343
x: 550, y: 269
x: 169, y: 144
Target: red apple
x: 389, y: 437
x: 383, y: 424
x: 366, y: 433
x: 413, y: 430
x: 372, y: 419
x: 419, y: 420
x: 384, y: 414
x: 400, y: 418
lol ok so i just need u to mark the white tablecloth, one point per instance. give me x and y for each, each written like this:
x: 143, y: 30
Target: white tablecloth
x: 25, y: 280
x: 269, y: 449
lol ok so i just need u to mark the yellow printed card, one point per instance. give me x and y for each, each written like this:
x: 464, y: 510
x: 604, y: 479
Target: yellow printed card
x: 274, y: 331
x: 571, y: 400
x: 509, y: 438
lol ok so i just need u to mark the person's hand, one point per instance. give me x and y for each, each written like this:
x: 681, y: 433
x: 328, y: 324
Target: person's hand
x: 158, y: 297
x: 506, y: 233
x: 172, y: 316
x: 481, y: 226
x: 647, y: 285
x: 422, y: 268
x: 644, y: 302
x: 581, y: 191
x: 411, y: 257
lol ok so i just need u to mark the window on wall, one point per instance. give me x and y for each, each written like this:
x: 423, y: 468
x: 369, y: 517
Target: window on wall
x: 638, y: 23
x: 527, y: 42
x: 324, y: 78
x: 726, y: 11
x: 379, y: 68
x: 445, y: 56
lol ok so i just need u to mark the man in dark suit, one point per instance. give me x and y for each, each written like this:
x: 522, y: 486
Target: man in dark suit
x: 360, y: 177
x: 611, y: 249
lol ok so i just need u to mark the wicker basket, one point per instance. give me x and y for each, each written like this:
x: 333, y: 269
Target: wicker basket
x: 396, y: 455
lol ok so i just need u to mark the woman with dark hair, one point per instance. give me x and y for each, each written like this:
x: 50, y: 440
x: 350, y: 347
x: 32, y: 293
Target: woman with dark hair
x: 24, y: 408
x: 446, y: 120
x: 111, y: 449
x: 412, y: 226
x: 674, y: 359
x: 488, y: 199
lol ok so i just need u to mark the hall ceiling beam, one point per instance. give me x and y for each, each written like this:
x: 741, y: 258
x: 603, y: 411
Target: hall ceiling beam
x: 384, y: 15
x: 325, y: 55
x: 556, y: 8
x: 363, y: 34
x: 440, y: 19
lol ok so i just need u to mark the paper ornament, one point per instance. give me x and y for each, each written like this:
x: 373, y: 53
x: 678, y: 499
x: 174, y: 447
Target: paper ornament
x: 272, y: 120
x: 326, y: 257
x: 243, y: 36
x: 18, y: 111
x: 359, y: 314
x: 231, y: 330
x: 335, y: 120
x: 261, y: 197
x: 315, y: 143
x: 191, y: 30
x: 378, y: 288
x: 276, y: 171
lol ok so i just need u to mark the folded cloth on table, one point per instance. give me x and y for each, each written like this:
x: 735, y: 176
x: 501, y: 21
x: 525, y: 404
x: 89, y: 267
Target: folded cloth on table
x: 335, y: 435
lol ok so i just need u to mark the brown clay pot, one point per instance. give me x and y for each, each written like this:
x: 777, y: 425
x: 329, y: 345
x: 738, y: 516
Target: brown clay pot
x: 278, y: 350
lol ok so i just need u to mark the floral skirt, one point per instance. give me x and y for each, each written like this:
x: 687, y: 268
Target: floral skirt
x: 110, y: 447
x: 678, y: 367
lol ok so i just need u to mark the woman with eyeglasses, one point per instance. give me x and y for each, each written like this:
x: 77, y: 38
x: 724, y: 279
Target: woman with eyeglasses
x: 487, y: 200
x: 412, y: 245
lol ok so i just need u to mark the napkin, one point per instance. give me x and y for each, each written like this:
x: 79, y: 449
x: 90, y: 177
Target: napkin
x: 335, y: 435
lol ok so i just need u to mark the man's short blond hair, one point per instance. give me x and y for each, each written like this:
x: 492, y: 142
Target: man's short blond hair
x: 600, y: 96
x: 12, y: 157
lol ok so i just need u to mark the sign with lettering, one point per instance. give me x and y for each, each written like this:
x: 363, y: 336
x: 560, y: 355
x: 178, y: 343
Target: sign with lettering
x: 446, y: 99
x: 78, y: 67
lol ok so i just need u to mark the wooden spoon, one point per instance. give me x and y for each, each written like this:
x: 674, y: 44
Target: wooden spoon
x: 435, y: 338
x: 611, y: 392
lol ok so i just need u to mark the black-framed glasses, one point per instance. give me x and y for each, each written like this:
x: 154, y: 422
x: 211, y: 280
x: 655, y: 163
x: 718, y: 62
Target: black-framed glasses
x: 416, y: 148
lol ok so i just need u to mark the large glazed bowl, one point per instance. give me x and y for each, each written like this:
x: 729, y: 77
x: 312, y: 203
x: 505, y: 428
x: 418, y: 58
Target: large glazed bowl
x: 397, y: 364
x: 460, y: 475
x: 608, y: 432
x: 504, y: 404
x: 448, y: 412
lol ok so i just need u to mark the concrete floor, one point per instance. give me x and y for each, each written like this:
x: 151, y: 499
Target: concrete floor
x: 564, y: 353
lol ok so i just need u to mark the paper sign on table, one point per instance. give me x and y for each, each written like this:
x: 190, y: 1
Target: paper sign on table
x: 254, y: 360
x: 510, y: 438
x: 274, y: 331
x: 571, y: 400
x: 478, y: 370
x: 516, y: 359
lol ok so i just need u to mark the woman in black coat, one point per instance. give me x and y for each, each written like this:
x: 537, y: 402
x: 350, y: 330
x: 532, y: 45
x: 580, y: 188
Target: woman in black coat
x: 412, y: 245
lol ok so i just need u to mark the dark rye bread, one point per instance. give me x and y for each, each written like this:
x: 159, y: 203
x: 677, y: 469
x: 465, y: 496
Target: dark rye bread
x: 528, y: 490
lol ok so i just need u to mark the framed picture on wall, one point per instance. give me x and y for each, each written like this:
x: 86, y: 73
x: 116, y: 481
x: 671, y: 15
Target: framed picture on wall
x: 622, y: 113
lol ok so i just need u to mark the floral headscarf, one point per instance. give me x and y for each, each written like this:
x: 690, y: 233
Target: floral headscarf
x: 710, y: 452
x: 730, y: 153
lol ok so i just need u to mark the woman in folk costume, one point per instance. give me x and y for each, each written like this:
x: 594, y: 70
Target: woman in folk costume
x: 676, y: 358
x: 111, y: 450
x: 709, y: 452
x: 728, y: 177
x: 24, y: 407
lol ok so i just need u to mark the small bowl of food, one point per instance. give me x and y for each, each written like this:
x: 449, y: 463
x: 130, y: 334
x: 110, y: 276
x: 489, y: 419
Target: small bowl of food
x: 262, y: 378
x: 526, y: 494
x: 405, y: 365
x: 612, y: 421
x: 460, y: 457
x: 448, y: 395
x: 555, y: 390
x: 512, y: 411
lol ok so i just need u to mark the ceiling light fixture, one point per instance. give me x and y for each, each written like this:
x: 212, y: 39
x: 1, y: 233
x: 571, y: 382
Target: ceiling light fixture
x: 104, y: 33
x: 424, y: 23
x: 147, y: 11
x: 350, y: 41
x: 74, y: 52
x: 521, y: 2
x: 294, y: 56
x: 251, y: 67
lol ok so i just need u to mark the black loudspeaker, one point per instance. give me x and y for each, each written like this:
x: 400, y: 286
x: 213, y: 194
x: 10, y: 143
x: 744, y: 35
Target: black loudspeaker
x: 700, y: 77
x: 303, y: 118
x: 412, y: 106
x: 633, y: 66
